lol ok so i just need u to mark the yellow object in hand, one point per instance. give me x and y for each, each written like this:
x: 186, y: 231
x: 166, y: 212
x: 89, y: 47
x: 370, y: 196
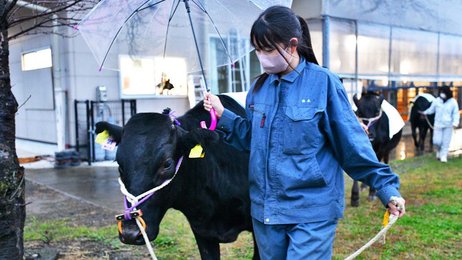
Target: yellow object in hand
x: 102, y: 137
x: 197, y: 152
x: 386, y: 218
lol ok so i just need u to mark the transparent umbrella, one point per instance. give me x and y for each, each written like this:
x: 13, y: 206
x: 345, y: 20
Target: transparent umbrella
x: 187, y: 35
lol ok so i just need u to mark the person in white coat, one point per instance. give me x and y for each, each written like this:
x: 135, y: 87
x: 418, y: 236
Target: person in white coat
x: 447, y: 117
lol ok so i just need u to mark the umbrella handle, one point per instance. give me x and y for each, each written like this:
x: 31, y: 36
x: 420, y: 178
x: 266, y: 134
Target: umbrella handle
x: 213, y: 120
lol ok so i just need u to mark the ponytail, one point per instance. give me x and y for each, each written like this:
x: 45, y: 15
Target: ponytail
x: 305, y: 49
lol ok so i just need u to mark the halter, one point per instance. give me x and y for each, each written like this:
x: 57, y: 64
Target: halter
x: 135, y: 201
x: 371, y: 120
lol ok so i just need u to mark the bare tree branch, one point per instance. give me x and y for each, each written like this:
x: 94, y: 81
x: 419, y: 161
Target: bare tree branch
x: 8, y: 8
x: 59, y: 13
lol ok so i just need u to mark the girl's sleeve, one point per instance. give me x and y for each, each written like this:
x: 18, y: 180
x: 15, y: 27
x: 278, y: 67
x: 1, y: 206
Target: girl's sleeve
x: 237, y: 130
x: 352, y: 147
x: 455, y: 114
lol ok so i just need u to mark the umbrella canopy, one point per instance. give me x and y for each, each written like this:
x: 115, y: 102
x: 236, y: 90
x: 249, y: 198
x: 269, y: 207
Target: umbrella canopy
x: 161, y: 31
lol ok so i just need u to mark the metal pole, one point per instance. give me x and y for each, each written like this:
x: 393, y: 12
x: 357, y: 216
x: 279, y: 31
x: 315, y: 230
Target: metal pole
x: 188, y: 10
x: 92, y: 130
x: 76, y: 126
x: 87, y: 108
x: 325, y: 41
x: 123, y: 111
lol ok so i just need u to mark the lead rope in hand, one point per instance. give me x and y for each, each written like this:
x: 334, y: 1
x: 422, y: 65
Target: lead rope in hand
x: 392, y: 220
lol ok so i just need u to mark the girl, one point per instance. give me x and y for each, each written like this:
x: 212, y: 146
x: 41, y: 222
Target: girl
x: 301, y: 134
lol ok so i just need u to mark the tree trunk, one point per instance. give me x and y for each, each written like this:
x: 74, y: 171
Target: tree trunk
x: 12, y: 183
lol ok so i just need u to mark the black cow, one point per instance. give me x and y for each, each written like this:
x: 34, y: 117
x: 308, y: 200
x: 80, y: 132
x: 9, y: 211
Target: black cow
x: 212, y: 192
x: 370, y: 113
x: 421, y: 122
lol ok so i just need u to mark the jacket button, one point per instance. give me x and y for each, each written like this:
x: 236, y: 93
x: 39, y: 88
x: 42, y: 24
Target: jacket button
x: 267, y: 220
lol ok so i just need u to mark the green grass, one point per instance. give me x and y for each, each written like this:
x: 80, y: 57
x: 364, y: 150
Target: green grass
x: 431, y: 229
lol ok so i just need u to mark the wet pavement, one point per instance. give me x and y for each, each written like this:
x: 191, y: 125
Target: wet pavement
x: 97, y: 184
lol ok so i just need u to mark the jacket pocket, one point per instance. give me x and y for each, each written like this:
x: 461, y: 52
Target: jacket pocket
x: 301, y: 132
x: 259, y: 125
x: 299, y: 172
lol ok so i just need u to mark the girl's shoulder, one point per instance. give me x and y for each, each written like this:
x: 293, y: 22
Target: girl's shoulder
x: 323, y: 74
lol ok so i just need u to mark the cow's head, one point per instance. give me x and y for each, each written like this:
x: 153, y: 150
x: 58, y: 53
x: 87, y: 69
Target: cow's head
x: 369, y: 111
x: 149, y: 147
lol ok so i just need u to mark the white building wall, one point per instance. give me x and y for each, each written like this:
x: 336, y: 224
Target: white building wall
x: 80, y: 77
x: 35, y: 119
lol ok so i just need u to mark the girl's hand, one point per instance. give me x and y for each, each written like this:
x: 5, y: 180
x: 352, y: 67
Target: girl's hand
x: 396, y: 206
x: 212, y: 101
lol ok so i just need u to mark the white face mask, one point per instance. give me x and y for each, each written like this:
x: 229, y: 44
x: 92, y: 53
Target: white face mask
x: 273, y: 62
x: 442, y: 95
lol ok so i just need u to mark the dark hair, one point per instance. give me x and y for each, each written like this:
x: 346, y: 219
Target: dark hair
x: 447, y: 91
x: 279, y: 24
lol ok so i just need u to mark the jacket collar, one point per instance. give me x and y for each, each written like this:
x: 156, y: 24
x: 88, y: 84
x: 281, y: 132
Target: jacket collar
x: 291, y: 76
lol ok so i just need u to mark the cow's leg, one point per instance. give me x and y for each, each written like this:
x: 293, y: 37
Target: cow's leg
x: 414, y: 136
x: 209, y: 249
x: 422, y: 133
x: 371, y: 196
x: 355, y: 194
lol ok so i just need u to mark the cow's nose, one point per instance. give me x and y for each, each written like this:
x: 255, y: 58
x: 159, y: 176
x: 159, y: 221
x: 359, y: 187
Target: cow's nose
x: 131, y: 234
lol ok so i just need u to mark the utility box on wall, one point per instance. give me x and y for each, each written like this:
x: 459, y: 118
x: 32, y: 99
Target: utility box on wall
x: 101, y: 93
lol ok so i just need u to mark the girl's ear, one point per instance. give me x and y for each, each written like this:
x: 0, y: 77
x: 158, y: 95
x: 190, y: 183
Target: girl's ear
x: 293, y: 43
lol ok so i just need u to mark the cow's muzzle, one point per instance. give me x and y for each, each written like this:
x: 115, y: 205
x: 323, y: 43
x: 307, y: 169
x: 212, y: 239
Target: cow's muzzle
x: 129, y: 233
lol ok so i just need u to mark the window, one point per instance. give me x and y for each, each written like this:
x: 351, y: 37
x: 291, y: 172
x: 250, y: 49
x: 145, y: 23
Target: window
x: 450, y: 55
x: 342, y: 46
x: 413, y: 52
x: 35, y: 60
x: 373, y: 50
x: 152, y: 76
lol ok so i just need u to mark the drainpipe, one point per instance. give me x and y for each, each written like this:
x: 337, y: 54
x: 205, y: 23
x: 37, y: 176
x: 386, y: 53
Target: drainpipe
x: 325, y: 41
x: 59, y: 92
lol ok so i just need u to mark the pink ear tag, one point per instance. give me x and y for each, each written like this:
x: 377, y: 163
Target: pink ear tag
x: 109, y: 144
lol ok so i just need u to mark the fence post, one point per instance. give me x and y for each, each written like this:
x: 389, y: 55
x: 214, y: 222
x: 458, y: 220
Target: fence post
x: 89, y: 152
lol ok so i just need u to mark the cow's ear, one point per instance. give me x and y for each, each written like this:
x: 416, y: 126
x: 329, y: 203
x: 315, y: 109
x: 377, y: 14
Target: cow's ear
x: 198, y: 136
x: 356, y: 100
x: 381, y: 98
x: 114, y: 131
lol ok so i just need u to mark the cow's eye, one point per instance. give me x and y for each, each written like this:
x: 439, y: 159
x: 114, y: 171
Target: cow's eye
x: 168, y: 163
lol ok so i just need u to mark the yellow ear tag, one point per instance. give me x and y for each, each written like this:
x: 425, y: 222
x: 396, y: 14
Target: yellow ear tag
x: 102, y: 137
x: 197, y: 152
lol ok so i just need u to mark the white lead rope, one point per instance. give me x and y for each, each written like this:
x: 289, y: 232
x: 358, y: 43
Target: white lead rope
x: 146, y: 240
x: 134, y: 199
x: 392, y: 220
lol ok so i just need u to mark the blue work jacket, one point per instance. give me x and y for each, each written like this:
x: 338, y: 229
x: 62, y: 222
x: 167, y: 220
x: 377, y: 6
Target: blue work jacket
x: 302, y: 133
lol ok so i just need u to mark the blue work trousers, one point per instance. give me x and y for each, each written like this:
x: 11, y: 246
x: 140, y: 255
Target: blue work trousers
x: 295, y: 241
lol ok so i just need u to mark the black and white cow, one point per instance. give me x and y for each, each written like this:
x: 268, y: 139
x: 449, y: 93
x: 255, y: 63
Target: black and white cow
x: 370, y: 112
x: 421, y: 122
x: 212, y: 192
